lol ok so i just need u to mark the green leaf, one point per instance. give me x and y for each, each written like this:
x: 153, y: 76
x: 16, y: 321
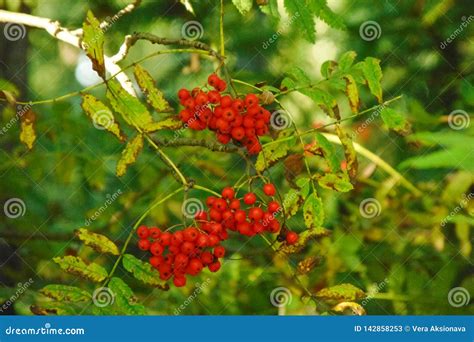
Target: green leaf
x: 124, y: 299
x: 77, y: 266
x: 244, y: 6
x: 128, y: 106
x: 101, y: 115
x: 98, y: 242
x: 304, y: 183
x: 93, y: 42
x: 339, y: 182
x: 302, y: 18
x: 153, y: 95
x: 395, y: 120
x: 328, y: 68
x: 143, y: 271
x: 296, y: 77
x: 274, y: 152
x: 171, y: 122
x: 322, y: 10
x: 352, y: 93
x: 373, y: 74
x: 328, y: 152
x: 65, y: 293
x: 27, y: 123
x: 129, y: 154
x: 340, y: 293
x: 271, y: 8
x: 346, y: 61
x: 313, y: 212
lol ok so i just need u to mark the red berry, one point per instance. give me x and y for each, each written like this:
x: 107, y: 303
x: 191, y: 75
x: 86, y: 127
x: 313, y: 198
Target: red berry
x: 228, y: 193
x: 202, y: 241
x: 251, y: 99
x: 238, y: 105
x: 190, y: 234
x: 269, y: 189
x: 215, y: 266
x: 177, y: 238
x: 240, y: 216
x: 195, y: 266
x: 250, y: 198
x: 255, y: 213
x: 165, y: 238
x: 234, y: 204
x: 223, y: 138
x: 226, y: 101
x: 213, y: 240
x: 220, y: 204
x: 238, y: 133
x: 155, y: 232
x: 187, y: 247
x: 179, y: 281
x: 156, y: 249
x: 181, y: 260
x: 156, y: 261
x: 219, y: 252
x: 207, y: 257
x: 291, y: 238
x: 273, y: 206
x: 183, y: 94
x: 214, y: 96
x: 210, y: 201
x: 213, y: 79
x: 221, y: 85
x: 201, y: 216
x: 143, y: 232
x: 144, y: 244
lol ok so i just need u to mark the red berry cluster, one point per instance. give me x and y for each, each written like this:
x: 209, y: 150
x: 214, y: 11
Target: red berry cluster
x: 240, y: 120
x: 188, y: 251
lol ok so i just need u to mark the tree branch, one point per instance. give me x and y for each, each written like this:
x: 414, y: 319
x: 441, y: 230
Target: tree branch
x: 210, y: 145
x: 130, y: 40
x: 73, y: 38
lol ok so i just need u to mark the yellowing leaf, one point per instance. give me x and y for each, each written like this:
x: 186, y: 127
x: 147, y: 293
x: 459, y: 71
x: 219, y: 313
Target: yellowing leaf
x: 129, y: 154
x: 352, y: 93
x: 339, y: 182
x: 244, y: 6
x: 153, y: 95
x: 292, y: 202
x: 98, y: 242
x: 171, y: 122
x: 28, y: 134
x: 394, y: 120
x: 93, y: 42
x: 128, y: 106
x: 273, y: 152
x: 143, y: 271
x: 65, y: 293
x: 101, y: 116
x: 77, y: 266
x: 313, y: 212
x: 303, y: 240
x: 373, y: 74
x: 340, y: 293
x: 349, y: 308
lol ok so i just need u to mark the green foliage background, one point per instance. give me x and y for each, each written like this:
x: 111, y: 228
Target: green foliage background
x: 405, y: 255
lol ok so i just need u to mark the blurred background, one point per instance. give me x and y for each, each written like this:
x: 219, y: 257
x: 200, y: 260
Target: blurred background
x: 407, y: 258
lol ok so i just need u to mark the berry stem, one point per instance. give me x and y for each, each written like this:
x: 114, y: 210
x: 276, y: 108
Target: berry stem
x: 200, y: 187
x: 221, y: 29
x: 130, y: 234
